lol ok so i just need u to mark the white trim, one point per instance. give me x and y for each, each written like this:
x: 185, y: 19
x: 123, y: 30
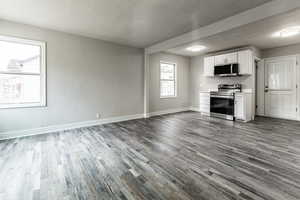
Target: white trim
x: 20, y: 73
x: 63, y: 127
x: 169, y: 111
x: 22, y: 105
x: 298, y: 84
x: 146, y: 84
x: 266, y: 10
x: 42, y: 73
x: 195, y: 109
x: 20, y: 40
x: 270, y: 59
x: 168, y: 97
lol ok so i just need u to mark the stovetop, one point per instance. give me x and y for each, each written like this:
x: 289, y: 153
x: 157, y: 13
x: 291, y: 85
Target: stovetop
x: 227, y: 89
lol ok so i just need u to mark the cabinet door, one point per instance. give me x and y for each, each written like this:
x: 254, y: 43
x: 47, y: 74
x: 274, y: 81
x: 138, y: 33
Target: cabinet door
x: 204, y: 102
x: 220, y: 60
x: 209, y: 66
x: 239, y: 107
x: 231, y: 58
x: 226, y: 59
x: 245, y: 62
x: 204, y: 108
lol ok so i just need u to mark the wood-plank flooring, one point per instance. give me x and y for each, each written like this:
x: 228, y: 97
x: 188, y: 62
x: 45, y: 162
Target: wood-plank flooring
x: 179, y: 156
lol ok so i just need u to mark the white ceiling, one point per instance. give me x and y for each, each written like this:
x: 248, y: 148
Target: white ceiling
x: 137, y: 23
x: 258, y: 34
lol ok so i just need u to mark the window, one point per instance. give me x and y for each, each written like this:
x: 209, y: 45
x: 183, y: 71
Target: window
x: 22, y: 73
x: 168, y: 85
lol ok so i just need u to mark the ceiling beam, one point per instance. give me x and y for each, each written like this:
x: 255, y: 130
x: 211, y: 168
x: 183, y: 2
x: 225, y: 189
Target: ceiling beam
x: 261, y: 12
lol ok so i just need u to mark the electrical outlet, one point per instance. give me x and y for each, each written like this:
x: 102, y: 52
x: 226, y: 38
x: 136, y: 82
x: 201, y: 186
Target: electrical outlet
x: 98, y: 116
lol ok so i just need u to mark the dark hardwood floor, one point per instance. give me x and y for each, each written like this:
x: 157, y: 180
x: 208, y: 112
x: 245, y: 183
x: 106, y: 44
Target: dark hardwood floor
x: 180, y: 156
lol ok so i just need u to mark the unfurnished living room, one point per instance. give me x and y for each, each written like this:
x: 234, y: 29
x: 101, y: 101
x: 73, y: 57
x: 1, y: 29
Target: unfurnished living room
x: 149, y: 100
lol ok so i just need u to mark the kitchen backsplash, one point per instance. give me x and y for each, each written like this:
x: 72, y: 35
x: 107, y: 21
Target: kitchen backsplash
x: 211, y: 83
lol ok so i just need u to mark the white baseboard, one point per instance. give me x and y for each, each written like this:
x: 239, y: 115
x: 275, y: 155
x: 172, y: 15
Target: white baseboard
x: 56, y: 128
x: 63, y: 127
x: 196, y: 109
x: 146, y: 115
x: 169, y: 111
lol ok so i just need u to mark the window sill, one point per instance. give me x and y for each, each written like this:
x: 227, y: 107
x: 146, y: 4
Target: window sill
x: 27, y: 105
x: 170, y: 97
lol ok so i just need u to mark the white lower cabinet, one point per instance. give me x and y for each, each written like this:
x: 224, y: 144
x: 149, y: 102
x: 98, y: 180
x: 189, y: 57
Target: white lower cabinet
x: 243, y: 107
x: 204, y: 103
x: 239, y: 107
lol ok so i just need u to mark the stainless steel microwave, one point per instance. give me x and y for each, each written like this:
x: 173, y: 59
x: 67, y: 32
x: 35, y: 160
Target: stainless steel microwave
x: 227, y: 70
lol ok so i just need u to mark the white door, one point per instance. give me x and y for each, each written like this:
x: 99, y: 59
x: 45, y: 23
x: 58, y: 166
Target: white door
x: 280, y: 88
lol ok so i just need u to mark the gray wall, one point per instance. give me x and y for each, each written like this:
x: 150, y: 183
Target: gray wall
x: 84, y: 77
x: 281, y: 51
x: 183, y: 72
x: 199, y: 82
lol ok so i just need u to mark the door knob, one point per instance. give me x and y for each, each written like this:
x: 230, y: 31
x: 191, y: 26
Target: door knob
x: 267, y: 89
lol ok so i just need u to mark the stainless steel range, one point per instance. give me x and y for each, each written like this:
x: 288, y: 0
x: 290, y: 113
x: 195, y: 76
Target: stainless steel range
x: 222, y: 102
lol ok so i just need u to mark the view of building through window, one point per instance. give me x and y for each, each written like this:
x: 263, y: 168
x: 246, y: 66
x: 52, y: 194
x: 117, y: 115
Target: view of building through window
x: 20, y: 73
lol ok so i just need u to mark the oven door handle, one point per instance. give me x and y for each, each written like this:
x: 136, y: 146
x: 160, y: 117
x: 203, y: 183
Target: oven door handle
x: 222, y: 96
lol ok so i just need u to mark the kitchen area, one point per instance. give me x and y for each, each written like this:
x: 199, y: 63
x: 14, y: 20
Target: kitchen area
x: 248, y: 71
x: 228, y: 85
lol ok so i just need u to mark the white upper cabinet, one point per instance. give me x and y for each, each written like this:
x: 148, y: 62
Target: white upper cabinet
x: 209, y: 66
x: 244, y: 58
x: 246, y: 62
x: 224, y: 59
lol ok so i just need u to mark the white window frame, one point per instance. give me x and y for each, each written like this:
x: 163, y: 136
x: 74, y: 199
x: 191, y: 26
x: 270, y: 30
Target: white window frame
x: 42, y: 73
x: 175, y: 80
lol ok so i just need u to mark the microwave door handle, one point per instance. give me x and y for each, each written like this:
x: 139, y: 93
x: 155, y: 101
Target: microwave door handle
x: 231, y: 68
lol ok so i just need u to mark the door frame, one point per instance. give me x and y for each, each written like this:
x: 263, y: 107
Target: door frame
x: 297, y: 80
x: 259, y: 82
x: 255, y: 91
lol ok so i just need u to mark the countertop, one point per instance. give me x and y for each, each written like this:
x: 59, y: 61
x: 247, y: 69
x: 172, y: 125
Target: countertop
x: 245, y: 91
